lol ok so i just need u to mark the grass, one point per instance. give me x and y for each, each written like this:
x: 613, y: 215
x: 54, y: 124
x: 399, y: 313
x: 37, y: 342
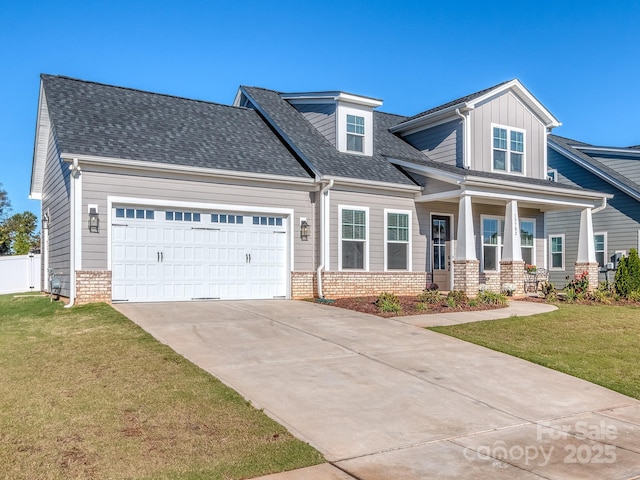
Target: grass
x: 600, y: 344
x: 85, y: 393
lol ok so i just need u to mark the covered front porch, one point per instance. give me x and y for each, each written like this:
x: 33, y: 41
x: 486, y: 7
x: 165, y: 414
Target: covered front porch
x: 497, y: 230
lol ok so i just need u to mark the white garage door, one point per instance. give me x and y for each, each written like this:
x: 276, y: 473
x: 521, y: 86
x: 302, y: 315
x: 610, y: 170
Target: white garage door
x: 164, y: 255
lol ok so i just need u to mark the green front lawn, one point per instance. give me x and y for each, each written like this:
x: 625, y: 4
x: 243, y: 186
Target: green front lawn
x: 85, y: 393
x: 600, y: 344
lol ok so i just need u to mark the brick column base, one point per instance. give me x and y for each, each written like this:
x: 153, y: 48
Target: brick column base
x: 592, y: 269
x: 93, y: 286
x: 466, y: 276
x: 513, y: 272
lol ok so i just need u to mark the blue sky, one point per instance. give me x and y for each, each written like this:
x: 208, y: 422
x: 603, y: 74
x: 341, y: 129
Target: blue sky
x: 581, y: 59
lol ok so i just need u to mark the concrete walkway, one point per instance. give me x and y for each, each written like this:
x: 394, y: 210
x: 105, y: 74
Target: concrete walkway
x: 383, y: 399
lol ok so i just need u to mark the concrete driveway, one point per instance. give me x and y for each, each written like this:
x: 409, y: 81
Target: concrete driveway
x: 382, y: 399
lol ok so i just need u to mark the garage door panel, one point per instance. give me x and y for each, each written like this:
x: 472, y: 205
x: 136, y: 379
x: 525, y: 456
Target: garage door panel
x: 170, y: 258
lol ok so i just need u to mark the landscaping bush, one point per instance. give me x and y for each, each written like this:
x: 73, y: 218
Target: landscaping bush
x: 577, y: 288
x: 389, y: 303
x: 456, y: 298
x: 429, y: 296
x: 490, y: 298
x: 603, y: 294
x: 547, y: 289
x: 627, y: 279
x: 422, y: 307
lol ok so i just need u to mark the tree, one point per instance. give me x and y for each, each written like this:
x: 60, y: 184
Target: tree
x: 5, y: 204
x: 18, y: 234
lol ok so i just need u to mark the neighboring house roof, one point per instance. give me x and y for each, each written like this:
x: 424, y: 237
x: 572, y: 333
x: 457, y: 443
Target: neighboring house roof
x: 470, y: 101
x: 323, y: 157
x: 576, y: 151
x: 94, y: 119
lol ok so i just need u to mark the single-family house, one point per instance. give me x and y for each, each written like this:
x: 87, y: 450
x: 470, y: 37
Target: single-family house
x: 616, y: 224
x: 151, y: 197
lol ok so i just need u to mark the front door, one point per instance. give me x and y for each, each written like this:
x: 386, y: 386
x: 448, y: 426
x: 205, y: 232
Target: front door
x: 441, y: 261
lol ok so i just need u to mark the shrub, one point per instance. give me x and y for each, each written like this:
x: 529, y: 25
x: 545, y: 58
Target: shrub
x: 422, y: 307
x: 627, y: 279
x: 388, y: 302
x: 429, y: 296
x: 603, y: 294
x: 577, y: 288
x: 635, y: 296
x: 508, y: 289
x: 474, y: 302
x: 491, y: 298
x: 547, y: 289
x: 456, y: 298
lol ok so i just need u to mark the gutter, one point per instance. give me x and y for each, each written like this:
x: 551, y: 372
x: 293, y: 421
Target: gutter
x: 466, y: 138
x: 324, y: 216
x: 601, y: 207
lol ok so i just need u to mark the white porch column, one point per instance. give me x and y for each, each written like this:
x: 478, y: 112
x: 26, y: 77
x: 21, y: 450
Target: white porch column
x: 586, y: 247
x: 512, y: 248
x: 466, y: 243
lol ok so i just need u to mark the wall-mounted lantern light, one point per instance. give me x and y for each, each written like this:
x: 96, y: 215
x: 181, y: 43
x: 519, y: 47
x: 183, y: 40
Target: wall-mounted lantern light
x: 94, y: 220
x: 304, y: 229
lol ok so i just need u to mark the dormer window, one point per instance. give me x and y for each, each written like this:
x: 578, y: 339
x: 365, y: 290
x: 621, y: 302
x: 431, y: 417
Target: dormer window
x: 355, y: 133
x: 508, y: 150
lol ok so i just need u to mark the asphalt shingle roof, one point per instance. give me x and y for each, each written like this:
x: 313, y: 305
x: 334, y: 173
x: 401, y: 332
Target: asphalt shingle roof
x: 323, y: 154
x: 569, y: 144
x: 102, y: 120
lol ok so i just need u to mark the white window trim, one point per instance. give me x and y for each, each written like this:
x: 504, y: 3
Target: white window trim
x: 564, y: 253
x: 361, y: 135
x: 606, y: 245
x: 555, y: 174
x: 409, y: 243
x: 508, y: 158
x: 498, y: 246
x: 534, y: 255
x: 342, y: 111
x: 366, y: 241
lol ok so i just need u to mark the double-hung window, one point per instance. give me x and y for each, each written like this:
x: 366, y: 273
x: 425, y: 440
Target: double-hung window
x: 556, y: 252
x: 527, y: 236
x: 355, y: 133
x: 492, y: 229
x: 398, y: 237
x: 508, y: 150
x: 600, y: 241
x: 353, y: 239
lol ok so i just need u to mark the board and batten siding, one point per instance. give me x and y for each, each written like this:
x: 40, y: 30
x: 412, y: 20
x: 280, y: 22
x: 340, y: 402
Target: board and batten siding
x: 56, y: 199
x: 98, y: 185
x: 442, y: 143
x: 620, y: 219
x: 376, y: 203
x: 507, y: 110
x: 322, y: 116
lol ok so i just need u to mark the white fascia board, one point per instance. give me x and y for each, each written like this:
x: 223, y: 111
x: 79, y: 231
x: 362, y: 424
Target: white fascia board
x: 39, y: 150
x: 441, y: 116
x: 435, y: 197
x: 625, y: 151
x: 165, y: 167
x: 334, y: 96
x: 596, y: 171
x: 429, y: 171
x: 284, y: 136
x: 531, y: 197
x: 345, y: 181
x: 528, y: 187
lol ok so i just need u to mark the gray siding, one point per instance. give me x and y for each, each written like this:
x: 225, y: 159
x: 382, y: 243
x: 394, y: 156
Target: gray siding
x: 620, y: 220
x: 508, y: 111
x: 629, y: 167
x: 98, y: 185
x: 442, y: 143
x: 377, y: 204
x: 56, y: 199
x: 322, y: 116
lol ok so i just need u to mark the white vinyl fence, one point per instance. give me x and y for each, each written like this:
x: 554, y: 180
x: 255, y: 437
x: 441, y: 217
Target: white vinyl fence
x: 19, y: 273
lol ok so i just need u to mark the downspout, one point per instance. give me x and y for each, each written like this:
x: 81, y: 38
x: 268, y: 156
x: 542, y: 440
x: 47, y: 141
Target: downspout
x: 601, y: 207
x: 75, y: 173
x: 466, y: 161
x: 323, y: 245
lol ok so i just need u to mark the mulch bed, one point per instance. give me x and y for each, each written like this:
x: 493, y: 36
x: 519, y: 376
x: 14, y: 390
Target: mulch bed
x: 368, y: 305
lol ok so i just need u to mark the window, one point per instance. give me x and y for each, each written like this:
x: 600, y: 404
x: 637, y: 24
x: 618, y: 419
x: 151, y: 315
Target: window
x: 552, y: 175
x: 491, y: 242
x: 355, y: 133
x: 600, y: 241
x: 181, y: 216
x: 508, y: 150
x: 398, y: 240
x: 273, y: 221
x: 527, y: 236
x: 140, y: 214
x: 353, y: 241
x: 557, y: 252
x: 226, y: 218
